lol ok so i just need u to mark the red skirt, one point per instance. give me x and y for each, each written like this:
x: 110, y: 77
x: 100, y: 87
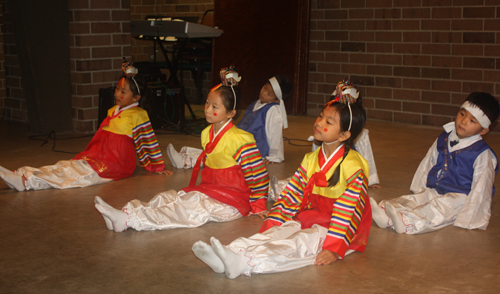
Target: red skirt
x: 225, y: 185
x: 321, y: 214
x: 111, y: 155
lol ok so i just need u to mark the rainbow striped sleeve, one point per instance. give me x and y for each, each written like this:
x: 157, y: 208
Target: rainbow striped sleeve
x: 347, y: 214
x: 291, y: 198
x: 147, y: 148
x: 254, y: 171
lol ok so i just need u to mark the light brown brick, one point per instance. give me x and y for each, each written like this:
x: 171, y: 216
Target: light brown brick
x: 417, y: 107
x: 410, y: 118
x: 416, y: 84
x: 421, y: 60
x: 436, y: 97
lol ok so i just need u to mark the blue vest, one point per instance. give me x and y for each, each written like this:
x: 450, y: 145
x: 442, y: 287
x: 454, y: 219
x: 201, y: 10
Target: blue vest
x: 454, y: 171
x: 254, y: 122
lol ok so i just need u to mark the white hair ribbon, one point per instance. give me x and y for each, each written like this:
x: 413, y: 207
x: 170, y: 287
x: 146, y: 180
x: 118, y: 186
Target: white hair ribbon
x: 277, y: 91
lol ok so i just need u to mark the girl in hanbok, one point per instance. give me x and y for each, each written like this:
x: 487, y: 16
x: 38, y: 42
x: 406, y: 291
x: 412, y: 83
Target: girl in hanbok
x: 323, y: 214
x: 265, y: 119
x: 234, y: 180
x: 110, y: 155
x: 362, y: 143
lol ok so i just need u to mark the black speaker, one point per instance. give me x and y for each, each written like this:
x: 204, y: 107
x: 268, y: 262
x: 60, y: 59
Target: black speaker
x: 106, y: 101
x: 150, y: 72
x: 162, y: 102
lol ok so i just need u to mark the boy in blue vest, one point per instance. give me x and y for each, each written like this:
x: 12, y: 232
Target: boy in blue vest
x: 454, y: 182
x: 266, y: 117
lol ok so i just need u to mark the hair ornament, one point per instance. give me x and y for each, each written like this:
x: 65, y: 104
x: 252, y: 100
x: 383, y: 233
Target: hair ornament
x: 130, y: 71
x: 216, y: 87
x: 345, y: 93
x: 229, y: 77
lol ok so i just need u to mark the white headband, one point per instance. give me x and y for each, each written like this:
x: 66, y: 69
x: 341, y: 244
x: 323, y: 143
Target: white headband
x: 233, y: 75
x: 483, y: 120
x: 277, y: 91
x: 131, y: 72
x: 353, y: 92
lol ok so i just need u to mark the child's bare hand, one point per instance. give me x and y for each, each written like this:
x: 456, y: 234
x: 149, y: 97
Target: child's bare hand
x: 326, y: 257
x: 263, y: 214
x: 165, y: 172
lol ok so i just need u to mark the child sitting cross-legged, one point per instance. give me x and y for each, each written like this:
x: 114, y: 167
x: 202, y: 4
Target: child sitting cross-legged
x: 454, y: 182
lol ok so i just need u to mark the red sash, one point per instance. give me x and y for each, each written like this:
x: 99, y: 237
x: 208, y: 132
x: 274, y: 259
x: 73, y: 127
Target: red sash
x: 207, y: 150
x: 319, y: 178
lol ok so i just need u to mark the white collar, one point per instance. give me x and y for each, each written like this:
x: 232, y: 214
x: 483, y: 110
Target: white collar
x: 462, y: 143
x: 118, y: 109
x: 215, y: 135
x: 331, y: 155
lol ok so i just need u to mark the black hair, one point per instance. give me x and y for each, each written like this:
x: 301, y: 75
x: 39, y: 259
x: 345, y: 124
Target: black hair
x: 487, y: 103
x: 285, y: 85
x: 357, y: 124
x: 227, y: 96
x: 133, y: 87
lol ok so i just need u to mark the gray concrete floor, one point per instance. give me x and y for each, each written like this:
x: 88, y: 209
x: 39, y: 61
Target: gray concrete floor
x: 55, y: 241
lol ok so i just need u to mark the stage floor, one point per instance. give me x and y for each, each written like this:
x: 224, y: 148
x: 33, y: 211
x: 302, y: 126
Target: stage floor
x: 55, y: 241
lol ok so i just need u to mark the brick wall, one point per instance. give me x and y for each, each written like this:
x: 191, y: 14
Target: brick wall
x: 14, y: 101
x: 99, y: 39
x: 414, y: 61
x: 143, y: 50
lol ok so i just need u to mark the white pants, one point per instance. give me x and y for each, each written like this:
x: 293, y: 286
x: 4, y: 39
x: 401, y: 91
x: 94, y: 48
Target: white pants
x: 281, y: 248
x: 171, y: 210
x: 62, y: 175
x: 427, y: 211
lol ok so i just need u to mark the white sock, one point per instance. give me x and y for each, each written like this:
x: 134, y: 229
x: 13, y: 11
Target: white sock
x: 274, y: 187
x: 109, y: 223
x: 378, y: 215
x: 117, y: 217
x: 396, y: 217
x: 175, y: 157
x: 234, y: 263
x: 2, y: 175
x: 206, y: 254
x: 13, y: 181
x: 7, y: 171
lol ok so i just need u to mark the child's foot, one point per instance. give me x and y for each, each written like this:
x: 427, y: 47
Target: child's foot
x: 109, y: 223
x: 206, y: 254
x: 13, y: 181
x: 2, y: 177
x: 396, y: 217
x: 234, y: 263
x: 117, y: 217
x: 378, y: 215
x: 175, y: 157
x: 7, y: 171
